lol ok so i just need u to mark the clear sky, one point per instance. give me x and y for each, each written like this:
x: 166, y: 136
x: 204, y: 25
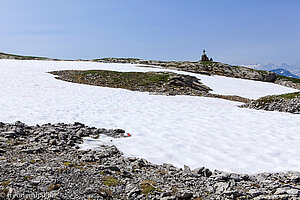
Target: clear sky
x: 232, y: 31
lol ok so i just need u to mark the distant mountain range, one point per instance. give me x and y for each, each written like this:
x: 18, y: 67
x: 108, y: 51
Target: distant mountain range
x: 283, y: 69
x: 284, y: 72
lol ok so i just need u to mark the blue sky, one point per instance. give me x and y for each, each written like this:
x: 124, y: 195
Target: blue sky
x: 232, y: 31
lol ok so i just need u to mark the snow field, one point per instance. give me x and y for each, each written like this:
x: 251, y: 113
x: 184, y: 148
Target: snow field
x: 194, y: 131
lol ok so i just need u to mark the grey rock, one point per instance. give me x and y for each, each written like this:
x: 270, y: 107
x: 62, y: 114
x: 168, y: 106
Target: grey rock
x: 187, y: 195
x: 2, y: 151
x: 187, y: 170
x: 9, y: 134
x: 294, y: 192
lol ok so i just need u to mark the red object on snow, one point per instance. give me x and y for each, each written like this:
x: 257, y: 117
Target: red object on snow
x: 128, y: 134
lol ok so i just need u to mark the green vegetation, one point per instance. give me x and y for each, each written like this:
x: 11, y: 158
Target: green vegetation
x: 290, y: 95
x: 147, y: 187
x: 26, y: 178
x: 273, y: 98
x: 102, y: 173
x: 137, y: 78
x: 262, y: 71
x: 125, y: 80
x: 110, y: 181
x: 5, y: 183
x: 294, y: 80
x: 32, y: 161
x: 68, y: 164
x: 207, y: 62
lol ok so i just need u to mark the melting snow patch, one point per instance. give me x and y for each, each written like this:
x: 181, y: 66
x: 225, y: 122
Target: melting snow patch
x: 194, y: 131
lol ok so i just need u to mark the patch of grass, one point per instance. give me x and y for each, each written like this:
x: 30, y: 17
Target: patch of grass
x: 125, y: 80
x: 262, y: 71
x: 5, y: 183
x: 294, y: 80
x: 207, y: 62
x: 290, y: 95
x: 273, y: 98
x: 68, y: 164
x: 102, y: 173
x: 27, y: 178
x: 148, y: 187
x: 110, y: 181
x: 134, y: 77
x: 32, y: 161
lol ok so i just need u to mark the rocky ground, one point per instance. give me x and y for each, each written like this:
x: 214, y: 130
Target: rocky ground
x: 282, y: 103
x: 289, y: 82
x: 45, y: 162
x: 163, y: 83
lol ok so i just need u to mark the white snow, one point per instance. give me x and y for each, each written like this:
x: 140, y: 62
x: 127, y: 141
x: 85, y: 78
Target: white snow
x: 194, y: 131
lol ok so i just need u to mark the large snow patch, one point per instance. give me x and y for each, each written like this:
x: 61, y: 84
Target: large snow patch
x: 195, y: 131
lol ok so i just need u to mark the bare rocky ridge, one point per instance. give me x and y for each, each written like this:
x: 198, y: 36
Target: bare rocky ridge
x: 19, y: 57
x: 211, y: 68
x: 44, y: 162
x: 207, y: 68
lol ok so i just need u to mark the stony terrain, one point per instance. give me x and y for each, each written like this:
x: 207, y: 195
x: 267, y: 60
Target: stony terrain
x: 164, y: 83
x: 283, y: 103
x: 288, y: 82
x: 44, y: 162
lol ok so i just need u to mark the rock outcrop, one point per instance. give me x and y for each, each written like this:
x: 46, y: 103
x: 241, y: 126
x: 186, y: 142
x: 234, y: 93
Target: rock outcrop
x: 288, y: 83
x: 276, y: 103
